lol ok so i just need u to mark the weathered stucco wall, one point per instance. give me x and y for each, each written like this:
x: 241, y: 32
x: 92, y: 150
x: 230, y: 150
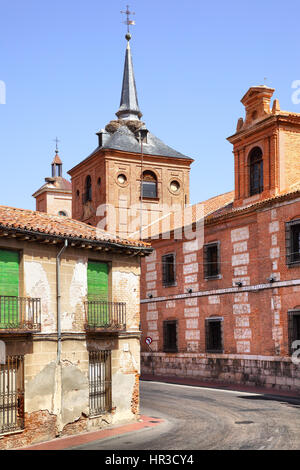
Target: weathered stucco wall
x: 57, y: 394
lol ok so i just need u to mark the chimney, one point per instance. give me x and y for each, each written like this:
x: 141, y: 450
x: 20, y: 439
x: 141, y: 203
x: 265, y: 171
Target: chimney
x: 103, y: 137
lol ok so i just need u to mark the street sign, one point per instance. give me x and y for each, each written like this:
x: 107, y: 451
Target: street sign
x: 148, y: 340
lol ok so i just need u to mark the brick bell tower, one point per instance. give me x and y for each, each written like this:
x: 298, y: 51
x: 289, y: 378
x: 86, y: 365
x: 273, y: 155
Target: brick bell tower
x: 132, y: 178
x: 266, y: 148
x: 55, y: 196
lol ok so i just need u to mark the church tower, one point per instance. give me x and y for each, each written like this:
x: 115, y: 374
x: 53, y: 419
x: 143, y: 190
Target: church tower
x: 132, y: 178
x: 266, y: 147
x: 55, y: 196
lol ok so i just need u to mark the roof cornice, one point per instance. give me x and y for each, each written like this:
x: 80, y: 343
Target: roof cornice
x: 271, y: 120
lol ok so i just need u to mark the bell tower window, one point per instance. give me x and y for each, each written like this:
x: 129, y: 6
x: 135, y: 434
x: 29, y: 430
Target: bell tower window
x: 256, y: 171
x: 149, y: 184
x: 88, y: 189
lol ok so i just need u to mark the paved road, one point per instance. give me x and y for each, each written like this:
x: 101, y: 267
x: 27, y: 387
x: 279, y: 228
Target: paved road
x: 203, y: 418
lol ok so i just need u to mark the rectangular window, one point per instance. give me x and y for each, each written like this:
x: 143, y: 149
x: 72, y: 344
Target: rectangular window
x: 292, y: 236
x: 9, y: 289
x: 12, y: 394
x: 294, y: 330
x: 214, y: 335
x: 168, y: 270
x: 211, y: 254
x: 99, y: 382
x: 97, y: 283
x: 149, y: 189
x: 170, y: 335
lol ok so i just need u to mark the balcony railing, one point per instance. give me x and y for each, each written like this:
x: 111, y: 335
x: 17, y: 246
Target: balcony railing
x: 19, y: 314
x: 102, y: 315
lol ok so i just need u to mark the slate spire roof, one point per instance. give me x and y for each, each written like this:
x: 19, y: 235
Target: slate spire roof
x: 129, y: 106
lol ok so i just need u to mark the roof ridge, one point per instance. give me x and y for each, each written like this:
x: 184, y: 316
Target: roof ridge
x: 71, y: 225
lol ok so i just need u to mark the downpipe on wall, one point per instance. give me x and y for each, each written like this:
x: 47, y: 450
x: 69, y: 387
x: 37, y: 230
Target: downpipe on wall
x: 57, y: 398
x: 58, y: 300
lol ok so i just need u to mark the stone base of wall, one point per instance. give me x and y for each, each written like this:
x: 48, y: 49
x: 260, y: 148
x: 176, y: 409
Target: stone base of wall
x: 41, y: 426
x: 264, y: 371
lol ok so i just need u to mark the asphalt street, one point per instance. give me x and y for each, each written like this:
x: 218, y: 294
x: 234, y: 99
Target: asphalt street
x: 210, y: 419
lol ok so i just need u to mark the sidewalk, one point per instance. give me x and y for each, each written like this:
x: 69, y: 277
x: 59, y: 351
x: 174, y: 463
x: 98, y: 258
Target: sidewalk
x: 111, y: 431
x: 220, y: 385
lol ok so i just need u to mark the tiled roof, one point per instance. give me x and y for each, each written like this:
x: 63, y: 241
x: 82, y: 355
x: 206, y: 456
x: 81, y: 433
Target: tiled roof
x: 56, y: 160
x: 58, y: 226
x: 211, y: 210
x: 292, y: 191
x: 52, y: 184
x: 176, y: 220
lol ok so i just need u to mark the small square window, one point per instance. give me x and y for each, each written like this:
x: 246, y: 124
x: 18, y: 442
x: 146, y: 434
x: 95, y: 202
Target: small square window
x: 214, y: 335
x: 211, y: 254
x: 170, y: 336
x: 168, y: 270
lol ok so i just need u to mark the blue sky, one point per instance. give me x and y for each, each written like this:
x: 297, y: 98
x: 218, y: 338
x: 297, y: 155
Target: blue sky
x: 62, y: 63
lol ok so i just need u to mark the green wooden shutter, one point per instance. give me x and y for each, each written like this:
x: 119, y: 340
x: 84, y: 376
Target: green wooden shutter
x: 97, y: 281
x: 9, y: 287
x: 97, y: 277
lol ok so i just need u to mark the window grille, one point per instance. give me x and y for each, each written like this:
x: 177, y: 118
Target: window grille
x: 170, y: 336
x: 293, y: 329
x: 214, y: 335
x: 169, y: 271
x: 12, y: 394
x: 211, y: 254
x: 100, y: 400
x: 292, y: 239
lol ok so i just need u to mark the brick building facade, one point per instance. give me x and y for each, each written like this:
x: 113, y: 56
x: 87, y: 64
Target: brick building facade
x: 226, y: 306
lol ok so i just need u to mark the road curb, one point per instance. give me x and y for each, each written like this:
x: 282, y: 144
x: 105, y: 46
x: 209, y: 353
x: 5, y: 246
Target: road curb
x: 79, y: 439
x: 219, y: 386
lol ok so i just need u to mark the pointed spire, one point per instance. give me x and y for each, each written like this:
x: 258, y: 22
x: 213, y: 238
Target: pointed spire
x: 129, y: 106
x: 56, y: 162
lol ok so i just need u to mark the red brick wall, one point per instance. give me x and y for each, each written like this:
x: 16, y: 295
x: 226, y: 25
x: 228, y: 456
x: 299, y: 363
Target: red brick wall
x: 108, y: 165
x: 255, y: 321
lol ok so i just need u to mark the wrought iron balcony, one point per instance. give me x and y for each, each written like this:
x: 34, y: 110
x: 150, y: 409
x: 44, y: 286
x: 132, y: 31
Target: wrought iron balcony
x: 105, y: 316
x: 19, y: 314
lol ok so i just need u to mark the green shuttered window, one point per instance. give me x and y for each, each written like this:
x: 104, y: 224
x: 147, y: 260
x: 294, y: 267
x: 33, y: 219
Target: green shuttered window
x: 9, y: 287
x: 97, y: 280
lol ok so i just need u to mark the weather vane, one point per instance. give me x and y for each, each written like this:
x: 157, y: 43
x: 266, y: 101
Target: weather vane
x: 56, y: 142
x: 128, y: 21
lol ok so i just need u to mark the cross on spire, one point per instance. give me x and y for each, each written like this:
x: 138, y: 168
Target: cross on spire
x: 128, y: 21
x: 56, y: 146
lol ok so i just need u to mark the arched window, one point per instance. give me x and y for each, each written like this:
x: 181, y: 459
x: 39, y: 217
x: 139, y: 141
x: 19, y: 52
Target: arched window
x: 256, y: 171
x: 62, y: 213
x: 149, y: 184
x: 88, y: 189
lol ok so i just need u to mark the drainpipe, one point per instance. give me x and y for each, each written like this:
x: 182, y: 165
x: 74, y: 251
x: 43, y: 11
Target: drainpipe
x: 58, y: 298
